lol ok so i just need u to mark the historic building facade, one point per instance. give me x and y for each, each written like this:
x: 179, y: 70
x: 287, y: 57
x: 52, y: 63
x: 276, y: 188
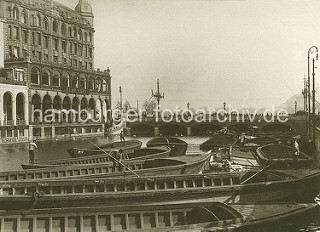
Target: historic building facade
x: 49, y: 55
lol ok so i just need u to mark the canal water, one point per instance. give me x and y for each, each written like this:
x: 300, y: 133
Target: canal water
x: 12, y: 156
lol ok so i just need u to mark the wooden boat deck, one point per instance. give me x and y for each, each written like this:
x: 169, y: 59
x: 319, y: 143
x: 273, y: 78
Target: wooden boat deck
x: 154, y: 152
x: 199, y: 216
x: 141, y: 167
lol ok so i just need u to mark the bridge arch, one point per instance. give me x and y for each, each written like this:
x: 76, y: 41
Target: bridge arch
x: 142, y: 129
x: 172, y: 129
x: 204, y: 129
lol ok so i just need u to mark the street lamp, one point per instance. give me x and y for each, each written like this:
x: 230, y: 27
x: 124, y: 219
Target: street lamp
x: 314, y: 100
x: 308, y: 85
x: 188, y: 105
x: 295, y: 107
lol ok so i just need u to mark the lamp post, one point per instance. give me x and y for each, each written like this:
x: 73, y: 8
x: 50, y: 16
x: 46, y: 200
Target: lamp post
x: 295, y: 107
x: 308, y: 85
x: 314, y: 101
x: 157, y: 95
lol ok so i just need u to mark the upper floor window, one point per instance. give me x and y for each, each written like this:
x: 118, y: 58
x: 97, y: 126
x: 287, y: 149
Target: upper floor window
x: 86, y: 37
x: 32, y: 20
x: 46, y: 23
x: 79, y: 35
x: 23, y: 17
x: 75, y: 32
x: 63, y: 29
x: 70, y: 32
x: 9, y: 12
x: 55, y: 26
x: 90, y: 37
x: 38, y: 21
x: 35, y: 76
x: 15, y: 13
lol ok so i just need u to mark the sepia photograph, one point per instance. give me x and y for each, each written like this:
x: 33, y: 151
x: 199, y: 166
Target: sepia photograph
x: 159, y: 115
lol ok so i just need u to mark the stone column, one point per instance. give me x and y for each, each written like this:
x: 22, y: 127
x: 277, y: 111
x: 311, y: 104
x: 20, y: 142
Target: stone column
x: 30, y: 133
x: 42, y: 132
x: 188, y: 131
x: 83, y: 130
x: 53, y: 128
x: 1, y: 110
x: 156, y: 131
x: 14, y: 112
x: 26, y: 113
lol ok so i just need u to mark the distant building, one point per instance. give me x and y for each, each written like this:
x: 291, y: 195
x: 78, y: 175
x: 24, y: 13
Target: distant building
x: 49, y: 64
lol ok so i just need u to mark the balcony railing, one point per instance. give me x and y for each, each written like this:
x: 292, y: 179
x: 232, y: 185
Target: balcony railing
x: 8, y: 122
x: 11, y: 82
x: 21, y: 122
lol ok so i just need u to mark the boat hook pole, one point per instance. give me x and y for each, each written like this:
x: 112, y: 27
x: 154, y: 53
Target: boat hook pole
x: 123, y: 165
x: 258, y: 172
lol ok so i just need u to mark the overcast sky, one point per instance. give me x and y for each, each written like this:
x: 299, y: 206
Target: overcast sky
x: 251, y: 53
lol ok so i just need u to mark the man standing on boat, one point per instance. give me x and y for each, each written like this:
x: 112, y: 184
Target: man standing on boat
x: 32, y: 147
x: 295, y: 152
x: 122, y: 136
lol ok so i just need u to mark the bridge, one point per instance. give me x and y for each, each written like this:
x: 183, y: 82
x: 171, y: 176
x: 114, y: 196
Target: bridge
x: 149, y: 126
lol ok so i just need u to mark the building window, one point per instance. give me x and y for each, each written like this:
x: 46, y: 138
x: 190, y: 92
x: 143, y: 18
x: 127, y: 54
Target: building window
x: 15, y: 52
x: 90, y: 37
x: 46, y: 57
x: 90, y: 65
x: 63, y: 29
x: 10, y: 31
x: 71, y: 46
x: 75, y: 48
x: 64, y: 46
x: 46, y: 41
x: 24, y: 17
x: 80, y: 50
x: 56, y: 80
x: 33, y: 20
x: 38, y: 21
x: 90, y: 52
x: 79, y: 35
x: 82, y: 83
x: 25, y: 36
x: 75, y: 62
x: 39, y: 38
x: 70, y: 32
x: 56, y: 44
x: 16, y: 33
x: 46, y: 77
x: 34, y: 76
x: 33, y: 38
x: 55, y: 26
x: 86, y: 37
x: 15, y: 13
x: 64, y: 60
x: 75, y: 32
x: 9, y: 12
x: 46, y: 24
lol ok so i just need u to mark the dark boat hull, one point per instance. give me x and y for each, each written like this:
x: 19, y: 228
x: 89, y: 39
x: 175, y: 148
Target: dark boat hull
x: 127, y: 147
x: 197, y: 216
x: 218, y: 141
x: 178, y: 146
x: 149, y: 167
x: 277, y: 156
x: 160, y: 189
x: 140, y: 154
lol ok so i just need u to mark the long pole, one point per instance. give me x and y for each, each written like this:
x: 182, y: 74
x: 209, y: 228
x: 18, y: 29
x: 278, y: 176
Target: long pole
x: 308, y: 96
x: 110, y: 156
x: 313, y: 106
